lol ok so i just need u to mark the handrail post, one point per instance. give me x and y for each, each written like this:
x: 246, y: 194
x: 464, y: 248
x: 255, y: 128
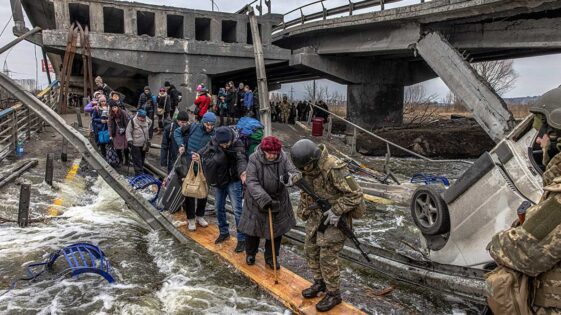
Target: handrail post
x: 382, y: 5
x: 15, y: 130
x: 329, y: 126
x: 28, y: 136
x: 353, y: 142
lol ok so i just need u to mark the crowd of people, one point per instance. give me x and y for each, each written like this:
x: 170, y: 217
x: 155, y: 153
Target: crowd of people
x: 239, y: 164
x: 288, y: 112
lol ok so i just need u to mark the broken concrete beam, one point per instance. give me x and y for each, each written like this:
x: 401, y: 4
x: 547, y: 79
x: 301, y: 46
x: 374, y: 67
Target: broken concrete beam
x: 487, y: 107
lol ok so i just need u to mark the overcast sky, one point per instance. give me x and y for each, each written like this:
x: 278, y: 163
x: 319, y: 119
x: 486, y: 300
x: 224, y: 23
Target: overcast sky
x: 536, y: 74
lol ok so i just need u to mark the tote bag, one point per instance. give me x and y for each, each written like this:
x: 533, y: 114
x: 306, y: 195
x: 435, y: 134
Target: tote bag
x: 195, y: 186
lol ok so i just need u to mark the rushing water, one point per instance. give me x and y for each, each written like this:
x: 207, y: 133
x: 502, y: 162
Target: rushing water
x: 154, y: 274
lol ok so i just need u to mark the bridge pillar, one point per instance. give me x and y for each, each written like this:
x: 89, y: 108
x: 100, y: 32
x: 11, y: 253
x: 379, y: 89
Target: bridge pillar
x: 377, y: 101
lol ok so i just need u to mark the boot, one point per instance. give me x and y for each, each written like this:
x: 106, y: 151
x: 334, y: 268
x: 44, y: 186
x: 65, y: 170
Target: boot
x: 313, y: 291
x: 191, y: 225
x: 269, y: 262
x: 329, y: 301
x: 250, y: 259
x: 240, y: 247
x: 221, y: 238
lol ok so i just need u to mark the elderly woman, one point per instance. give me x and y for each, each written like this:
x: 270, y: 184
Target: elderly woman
x: 265, y: 191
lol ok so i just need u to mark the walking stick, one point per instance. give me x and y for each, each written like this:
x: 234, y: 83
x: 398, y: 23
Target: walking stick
x: 273, y: 245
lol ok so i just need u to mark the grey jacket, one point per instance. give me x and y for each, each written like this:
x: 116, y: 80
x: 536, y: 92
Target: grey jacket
x: 139, y: 134
x: 263, y: 185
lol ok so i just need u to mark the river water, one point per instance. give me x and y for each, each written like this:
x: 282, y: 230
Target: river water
x: 155, y: 275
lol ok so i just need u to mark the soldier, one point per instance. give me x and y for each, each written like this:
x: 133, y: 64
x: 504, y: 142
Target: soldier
x: 534, y: 247
x: 329, y: 178
x: 285, y: 109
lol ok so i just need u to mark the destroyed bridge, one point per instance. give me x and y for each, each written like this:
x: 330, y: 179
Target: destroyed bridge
x: 375, y: 51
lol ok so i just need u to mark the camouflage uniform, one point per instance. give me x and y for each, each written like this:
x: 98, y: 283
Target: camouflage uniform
x: 328, y: 180
x: 534, y: 248
x: 285, y: 111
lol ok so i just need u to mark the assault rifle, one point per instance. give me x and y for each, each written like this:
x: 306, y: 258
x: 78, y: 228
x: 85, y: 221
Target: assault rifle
x: 324, y: 205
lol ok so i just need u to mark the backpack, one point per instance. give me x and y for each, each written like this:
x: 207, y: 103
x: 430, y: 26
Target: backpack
x: 250, y: 132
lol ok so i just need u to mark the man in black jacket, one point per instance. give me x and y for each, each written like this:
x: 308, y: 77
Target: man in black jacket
x: 224, y: 163
x: 169, y: 149
x: 173, y: 94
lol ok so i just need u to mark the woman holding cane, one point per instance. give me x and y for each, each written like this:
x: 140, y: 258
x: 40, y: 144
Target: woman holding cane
x: 267, y: 203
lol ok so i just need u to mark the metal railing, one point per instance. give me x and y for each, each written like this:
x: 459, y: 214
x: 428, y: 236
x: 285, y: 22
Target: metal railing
x: 18, y: 123
x: 325, y: 13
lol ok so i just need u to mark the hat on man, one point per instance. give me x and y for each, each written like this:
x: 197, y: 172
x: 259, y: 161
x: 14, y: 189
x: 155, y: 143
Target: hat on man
x: 223, y: 135
x: 209, y: 117
x: 271, y: 144
x: 167, y: 83
x: 141, y: 113
x: 183, y: 116
x: 147, y: 88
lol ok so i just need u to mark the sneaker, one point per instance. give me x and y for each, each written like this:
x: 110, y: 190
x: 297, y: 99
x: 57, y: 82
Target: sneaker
x: 201, y: 221
x: 191, y: 225
x: 221, y: 238
x: 240, y: 247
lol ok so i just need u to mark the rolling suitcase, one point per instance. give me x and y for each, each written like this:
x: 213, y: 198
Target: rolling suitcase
x: 171, y: 198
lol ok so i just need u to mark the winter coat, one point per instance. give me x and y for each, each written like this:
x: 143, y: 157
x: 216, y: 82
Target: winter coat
x: 97, y: 125
x: 137, y: 131
x: 263, y: 186
x: 168, y: 151
x: 174, y: 96
x: 145, y: 101
x: 194, y: 138
x: 164, y: 101
x: 223, y: 166
x: 115, y: 123
x: 203, y: 103
x: 248, y: 99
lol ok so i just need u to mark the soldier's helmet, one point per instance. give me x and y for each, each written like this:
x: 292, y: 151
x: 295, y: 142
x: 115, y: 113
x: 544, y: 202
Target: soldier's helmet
x: 549, y: 105
x: 304, y: 152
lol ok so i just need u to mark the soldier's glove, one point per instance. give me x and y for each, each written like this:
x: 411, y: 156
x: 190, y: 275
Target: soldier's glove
x: 331, y: 218
x: 289, y: 179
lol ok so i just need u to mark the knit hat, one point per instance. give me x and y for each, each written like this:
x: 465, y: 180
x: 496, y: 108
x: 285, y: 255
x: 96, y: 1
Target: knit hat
x: 209, y: 117
x: 162, y: 89
x: 183, y: 116
x: 271, y: 144
x: 199, y: 88
x: 167, y: 83
x: 141, y: 113
x: 223, y: 135
x: 147, y: 88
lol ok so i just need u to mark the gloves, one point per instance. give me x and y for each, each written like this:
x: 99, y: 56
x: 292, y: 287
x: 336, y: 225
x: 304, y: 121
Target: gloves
x: 289, y: 179
x: 274, y: 205
x: 331, y: 218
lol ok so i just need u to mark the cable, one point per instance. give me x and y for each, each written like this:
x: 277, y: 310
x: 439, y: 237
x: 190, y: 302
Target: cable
x: 1, y: 33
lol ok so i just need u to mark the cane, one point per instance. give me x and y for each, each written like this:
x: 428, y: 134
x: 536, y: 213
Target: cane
x: 273, y: 245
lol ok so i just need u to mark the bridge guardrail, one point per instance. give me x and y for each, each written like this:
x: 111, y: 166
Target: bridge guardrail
x: 18, y: 123
x: 325, y: 13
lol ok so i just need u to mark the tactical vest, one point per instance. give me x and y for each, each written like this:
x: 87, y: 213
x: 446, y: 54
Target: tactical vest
x: 333, y: 163
x: 553, y: 170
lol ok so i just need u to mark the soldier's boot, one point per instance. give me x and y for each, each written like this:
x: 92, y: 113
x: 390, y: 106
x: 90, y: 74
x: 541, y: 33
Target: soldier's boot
x: 317, y: 287
x: 329, y: 301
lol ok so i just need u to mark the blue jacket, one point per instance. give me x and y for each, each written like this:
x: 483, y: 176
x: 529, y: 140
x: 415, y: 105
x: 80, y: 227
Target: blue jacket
x: 193, y: 138
x: 248, y: 99
x: 97, y: 125
x: 168, y: 151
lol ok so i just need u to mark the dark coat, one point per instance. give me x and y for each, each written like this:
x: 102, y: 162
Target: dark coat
x: 223, y: 166
x: 168, y: 151
x: 116, y: 122
x: 263, y: 186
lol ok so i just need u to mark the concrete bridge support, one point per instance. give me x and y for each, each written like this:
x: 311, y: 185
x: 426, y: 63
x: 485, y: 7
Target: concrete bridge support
x: 487, y: 107
x: 378, y: 99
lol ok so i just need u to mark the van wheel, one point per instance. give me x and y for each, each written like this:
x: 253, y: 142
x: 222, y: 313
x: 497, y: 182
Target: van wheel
x: 429, y: 211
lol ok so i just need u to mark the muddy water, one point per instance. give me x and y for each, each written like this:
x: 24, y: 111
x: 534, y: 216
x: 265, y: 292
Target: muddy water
x: 155, y: 275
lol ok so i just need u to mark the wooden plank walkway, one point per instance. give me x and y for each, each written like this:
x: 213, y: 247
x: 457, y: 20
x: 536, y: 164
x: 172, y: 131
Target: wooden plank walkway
x: 287, y: 291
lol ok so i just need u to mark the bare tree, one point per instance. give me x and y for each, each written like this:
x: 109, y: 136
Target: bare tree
x: 419, y: 107
x: 499, y: 74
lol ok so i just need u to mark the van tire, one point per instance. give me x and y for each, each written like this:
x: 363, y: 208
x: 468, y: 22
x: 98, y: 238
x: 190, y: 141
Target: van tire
x: 429, y: 211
